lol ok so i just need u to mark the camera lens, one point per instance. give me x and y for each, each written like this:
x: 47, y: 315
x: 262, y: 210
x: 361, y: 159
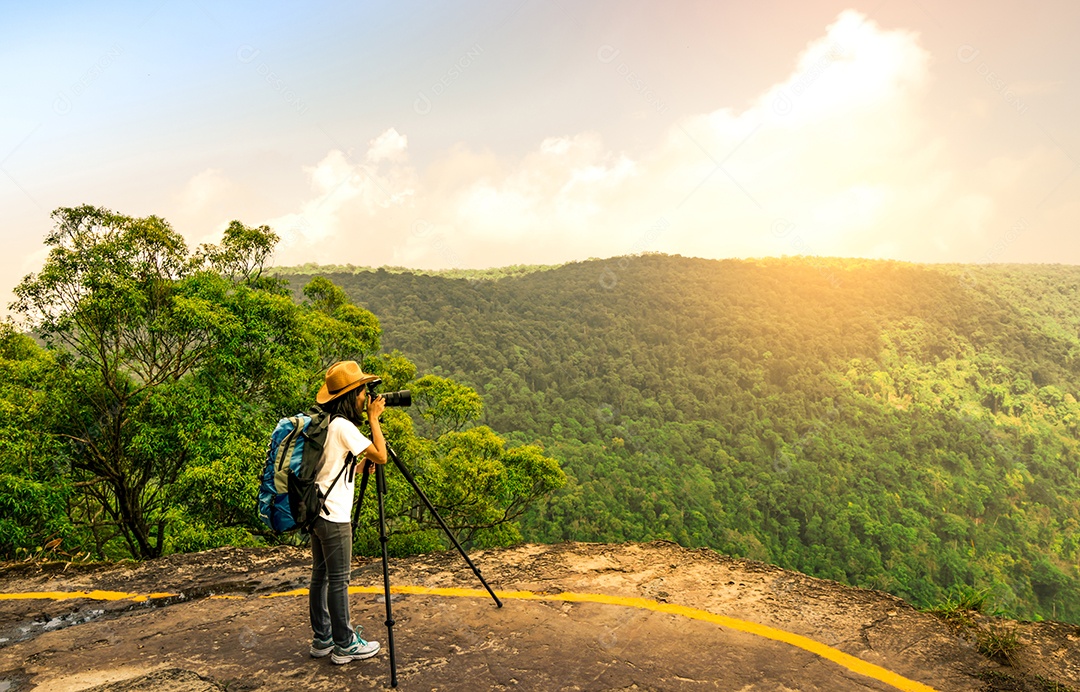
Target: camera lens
x: 399, y: 398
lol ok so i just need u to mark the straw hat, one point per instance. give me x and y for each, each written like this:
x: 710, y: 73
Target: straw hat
x: 343, y: 376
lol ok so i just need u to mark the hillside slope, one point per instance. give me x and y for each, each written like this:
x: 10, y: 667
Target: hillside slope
x: 576, y: 616
x: 902, y: 427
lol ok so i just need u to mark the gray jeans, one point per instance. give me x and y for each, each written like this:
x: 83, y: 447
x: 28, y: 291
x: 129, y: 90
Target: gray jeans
x: 331, y: 563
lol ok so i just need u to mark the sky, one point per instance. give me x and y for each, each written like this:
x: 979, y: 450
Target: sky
x: 476, y: 133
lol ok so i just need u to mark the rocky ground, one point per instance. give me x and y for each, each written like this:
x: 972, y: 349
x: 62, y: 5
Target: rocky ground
x: 216, y: 631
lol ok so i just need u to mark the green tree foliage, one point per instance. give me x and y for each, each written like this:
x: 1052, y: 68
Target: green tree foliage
x: 478, y: 486
x: 444, y: 404
x: 123, y: 297
x: 33, y: 493
x: 142, y: 428
x: 903, y: 427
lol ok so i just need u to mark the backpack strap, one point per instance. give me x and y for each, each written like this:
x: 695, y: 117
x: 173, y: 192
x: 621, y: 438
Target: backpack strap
x: 315, y: 441
x: 350, y: 463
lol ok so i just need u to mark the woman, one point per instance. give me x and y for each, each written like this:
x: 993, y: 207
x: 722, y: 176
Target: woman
x: 344, y: 395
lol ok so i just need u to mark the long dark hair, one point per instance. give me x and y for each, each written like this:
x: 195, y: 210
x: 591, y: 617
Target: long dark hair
x: 347, y: 405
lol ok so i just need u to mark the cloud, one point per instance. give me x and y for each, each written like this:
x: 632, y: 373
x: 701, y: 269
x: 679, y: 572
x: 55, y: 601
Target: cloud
x: 569, y: 182
x: 207, y: 193
x: 389, y: 146
x: 837, y: 159
x: 346, y: 188
x: 204, y: 189
x: 206, y: 203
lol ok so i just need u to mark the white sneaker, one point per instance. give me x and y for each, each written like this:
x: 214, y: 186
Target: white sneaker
x: 358, y: 651
x: 321, y: 647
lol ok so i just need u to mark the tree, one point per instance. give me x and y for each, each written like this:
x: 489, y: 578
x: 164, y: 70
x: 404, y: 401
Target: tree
x: 143, y: 321
x: 444, y: 404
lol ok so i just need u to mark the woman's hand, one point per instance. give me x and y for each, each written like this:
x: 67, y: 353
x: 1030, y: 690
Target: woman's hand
x: 375, y: 407
x: 376, y: 451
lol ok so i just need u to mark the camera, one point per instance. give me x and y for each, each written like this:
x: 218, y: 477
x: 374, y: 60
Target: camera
x: 402, y: 397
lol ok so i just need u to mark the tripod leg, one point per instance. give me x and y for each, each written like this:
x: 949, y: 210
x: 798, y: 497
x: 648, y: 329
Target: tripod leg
x: 360, y: 499
x: 380, y: 488
x: 446, y: 529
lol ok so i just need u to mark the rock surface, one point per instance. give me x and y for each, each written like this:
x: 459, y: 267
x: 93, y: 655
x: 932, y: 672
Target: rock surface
x: 217, y: 631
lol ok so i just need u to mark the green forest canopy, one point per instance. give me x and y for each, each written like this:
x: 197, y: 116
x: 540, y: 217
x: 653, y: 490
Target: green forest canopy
x: 911, y: 428
x: 905, y: 427
x: 142, y: 429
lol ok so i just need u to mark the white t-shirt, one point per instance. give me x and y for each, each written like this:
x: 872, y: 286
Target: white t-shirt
x: 342, y: 437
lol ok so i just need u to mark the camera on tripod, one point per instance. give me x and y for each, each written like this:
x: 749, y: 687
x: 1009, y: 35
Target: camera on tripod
x: 402, y: 397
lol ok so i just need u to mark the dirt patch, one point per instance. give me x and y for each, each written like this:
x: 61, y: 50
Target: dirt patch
x: 218, y: 630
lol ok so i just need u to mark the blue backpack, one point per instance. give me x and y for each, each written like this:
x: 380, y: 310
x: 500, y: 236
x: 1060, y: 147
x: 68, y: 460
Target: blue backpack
x: 289, y: 498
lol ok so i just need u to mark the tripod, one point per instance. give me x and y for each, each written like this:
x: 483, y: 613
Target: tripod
x: 380, y: 492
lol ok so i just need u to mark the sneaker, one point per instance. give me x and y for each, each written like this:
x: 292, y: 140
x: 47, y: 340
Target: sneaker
x: 358, y: 651
x: 321, y: 647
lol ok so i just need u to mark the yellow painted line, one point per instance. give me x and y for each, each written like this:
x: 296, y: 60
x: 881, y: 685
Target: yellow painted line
x: 66, y: 595
x: 143, y: 599
x: 304, y: 592
x: 91, y: 595
x: 852, y: 663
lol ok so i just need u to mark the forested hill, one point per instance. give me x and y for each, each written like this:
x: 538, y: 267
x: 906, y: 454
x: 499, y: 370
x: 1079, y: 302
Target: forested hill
x: 906, y: 427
